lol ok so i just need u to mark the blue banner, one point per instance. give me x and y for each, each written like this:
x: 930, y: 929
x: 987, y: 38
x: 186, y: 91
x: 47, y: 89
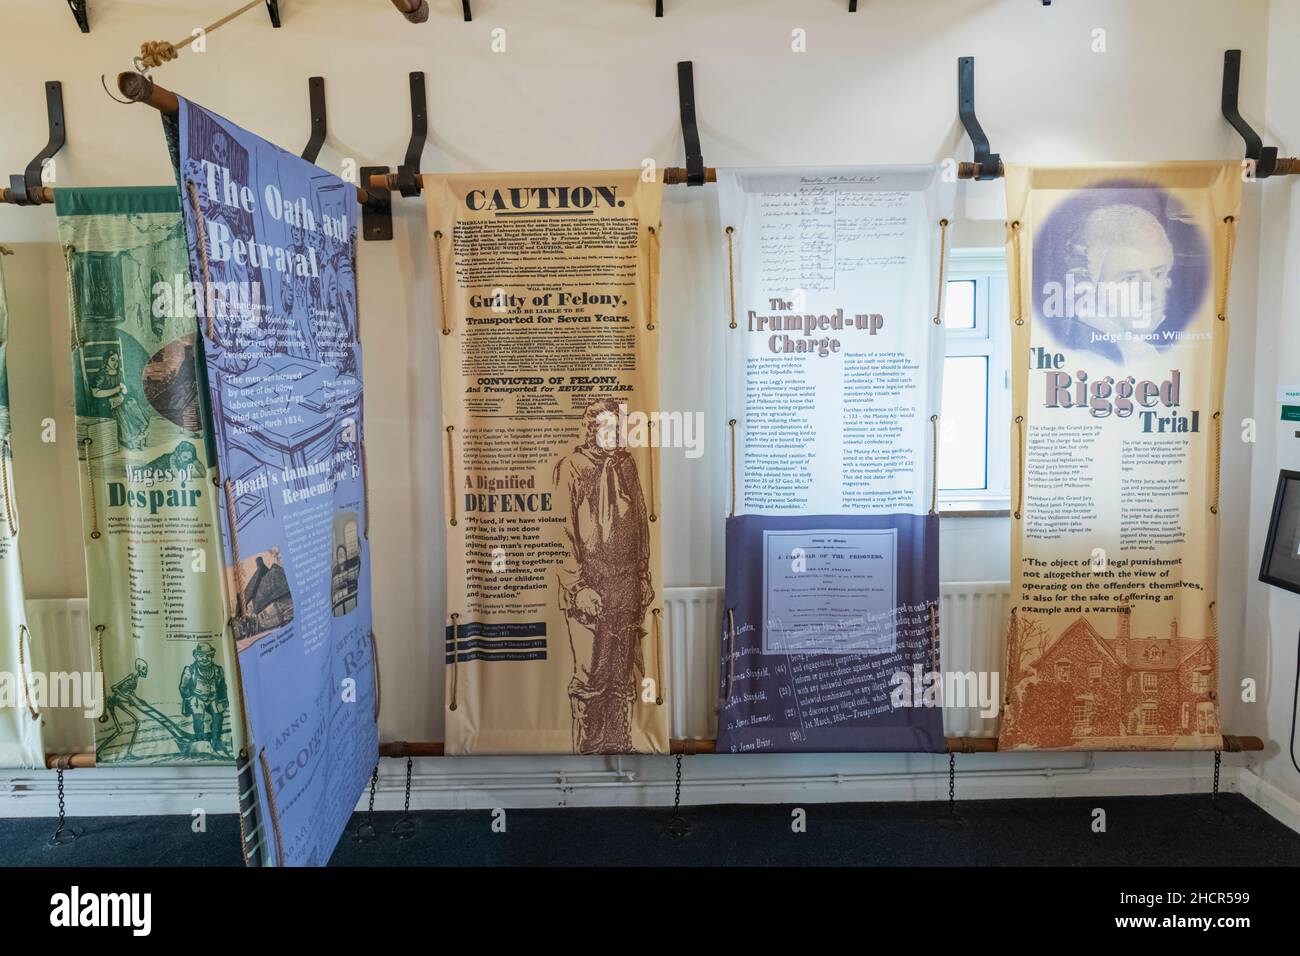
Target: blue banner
x: 272, y: 243
x: 830, y: 635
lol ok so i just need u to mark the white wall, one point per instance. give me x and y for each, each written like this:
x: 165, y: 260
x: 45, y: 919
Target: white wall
x: 592, y: 85
x: 1269, y: 636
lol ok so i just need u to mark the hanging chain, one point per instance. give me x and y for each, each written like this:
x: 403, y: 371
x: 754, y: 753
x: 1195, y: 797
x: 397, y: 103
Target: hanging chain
x: 406, y: 805
x: 676, y: 792
x: 63, y: 835
x: 677, y: 825
x: 366, y: 829
x: 404, y: 828
x: 1218, y: 760
x: 952, y: 784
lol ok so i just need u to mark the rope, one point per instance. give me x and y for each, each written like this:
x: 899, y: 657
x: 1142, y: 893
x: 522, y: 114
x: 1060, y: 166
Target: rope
x: 442, y: 284
x: 934, y: 464
x: 659, y: 656
x: 732, y: 425
x: 68, y: 252
x: 99, y: 657
x: 24, y: 633
x: 1020, y: 464
x: 943, y: 245
x: 374, y: 659
x: 654, y: 277
x: 203, y: 259
x: 1218, y: 459
x: 451, y: 474
x: 234, y: 548
x: 731, y: 277
x: 731, y: 653
x: 157, y: 52
x: 1020, y: 298
x: 651, y: 454
x: 365, y: 489
x: 934, y: 641
x: 6, y: 449
x: 1230, y: 248
x: 270, y: 798
x: 455, y: 658
x: 90, y: 485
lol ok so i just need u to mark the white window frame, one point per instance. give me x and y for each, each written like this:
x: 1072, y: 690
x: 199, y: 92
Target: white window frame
x: 990, y: 338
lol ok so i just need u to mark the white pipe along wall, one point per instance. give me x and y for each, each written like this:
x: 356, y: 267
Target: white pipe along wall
x: 586, y: 85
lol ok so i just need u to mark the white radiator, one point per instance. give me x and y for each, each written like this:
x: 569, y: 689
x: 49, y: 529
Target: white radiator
x: 972, y: 633
x: 60, y: 631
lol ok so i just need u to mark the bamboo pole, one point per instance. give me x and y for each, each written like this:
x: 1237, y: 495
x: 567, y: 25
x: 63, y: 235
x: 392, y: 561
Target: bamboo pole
x: 140, y: 89
x: 673, y: 176
x: 1286, y: 166
x: 686, y: 746
x: 9, y: 196
x: 417, y: 11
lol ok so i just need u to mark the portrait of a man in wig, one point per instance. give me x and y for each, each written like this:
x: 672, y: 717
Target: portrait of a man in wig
x: 604, y: 583
x: 1117, y: 285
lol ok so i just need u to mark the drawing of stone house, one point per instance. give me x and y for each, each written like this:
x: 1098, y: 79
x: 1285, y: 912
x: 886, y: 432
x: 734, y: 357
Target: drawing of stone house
x: 1084, y: 686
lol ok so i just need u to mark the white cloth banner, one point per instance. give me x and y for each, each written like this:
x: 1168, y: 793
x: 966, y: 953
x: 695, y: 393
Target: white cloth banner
x: 835, y: 352
x: 836, y: 364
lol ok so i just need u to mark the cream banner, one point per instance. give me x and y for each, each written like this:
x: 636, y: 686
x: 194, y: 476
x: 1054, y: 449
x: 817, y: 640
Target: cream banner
x: 1119, y: 283
x: 20, y: 718
x: 550, y: 369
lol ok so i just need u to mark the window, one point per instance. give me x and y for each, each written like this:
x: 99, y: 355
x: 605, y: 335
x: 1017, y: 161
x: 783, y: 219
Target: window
x: 1094, y: 671
x: 1200, y: 682
x: 1148, y: 683
x: 1082, y: 712
x: 1147, y: 719
x: 974, y: 419
x: 1063, y: 671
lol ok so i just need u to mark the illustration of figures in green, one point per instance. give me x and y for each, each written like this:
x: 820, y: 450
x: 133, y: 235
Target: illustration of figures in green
x: 149, y: 507
x: 132, y: 420
x: 203, y: 697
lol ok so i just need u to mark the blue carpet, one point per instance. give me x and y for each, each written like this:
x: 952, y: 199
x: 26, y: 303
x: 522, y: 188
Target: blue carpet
x: 1183, y: 830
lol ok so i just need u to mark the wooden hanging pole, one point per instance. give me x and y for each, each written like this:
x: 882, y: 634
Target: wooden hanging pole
x: 673, y: 176
x: 686, y: 746
x: 138, y: 88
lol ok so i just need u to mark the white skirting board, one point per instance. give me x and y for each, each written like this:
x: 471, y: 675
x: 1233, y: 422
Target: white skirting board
x: 539, y: 782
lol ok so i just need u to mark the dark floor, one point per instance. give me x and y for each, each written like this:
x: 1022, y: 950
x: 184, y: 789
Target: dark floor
x: 1140, y: 831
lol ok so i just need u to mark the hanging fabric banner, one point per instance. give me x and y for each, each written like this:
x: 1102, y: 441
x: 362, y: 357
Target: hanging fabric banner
x: 272, y: 253
x: 1119, y: 283
x: 20, y: 716
x: 834, y: 375
x: 550, y: 369
x: 156, y: 606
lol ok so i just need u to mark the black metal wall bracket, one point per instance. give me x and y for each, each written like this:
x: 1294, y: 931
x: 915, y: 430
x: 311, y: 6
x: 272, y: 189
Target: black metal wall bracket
x: 25, y: 190
x: 273, y: 8
x: 469, y: 15
x: 81, y: 13
x: 1264, y: 157
x: 377, y: 212
x: 316, y: 98
x: 408, y: 174
x: 853, y: 6
x: 690, y: 130
x: 988, y: 165
x: 659, y: 8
